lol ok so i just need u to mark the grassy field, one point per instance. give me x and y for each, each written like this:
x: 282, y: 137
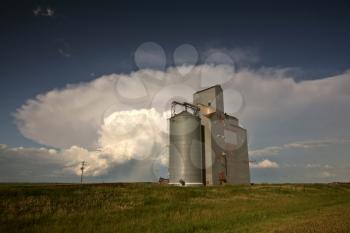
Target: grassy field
x: 158, y: 208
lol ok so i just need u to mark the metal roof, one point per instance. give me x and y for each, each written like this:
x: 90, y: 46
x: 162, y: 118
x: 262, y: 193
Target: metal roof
x: 208, y: 88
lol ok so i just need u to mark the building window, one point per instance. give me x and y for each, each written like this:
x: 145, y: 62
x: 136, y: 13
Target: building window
x: 209, y: 103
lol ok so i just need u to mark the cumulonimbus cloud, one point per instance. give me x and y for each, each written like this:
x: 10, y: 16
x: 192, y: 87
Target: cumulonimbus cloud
x: 124, y: 136
x: 91, y: 117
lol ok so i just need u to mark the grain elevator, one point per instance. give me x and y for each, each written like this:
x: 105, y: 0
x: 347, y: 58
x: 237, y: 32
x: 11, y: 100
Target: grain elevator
x: 207, y: 146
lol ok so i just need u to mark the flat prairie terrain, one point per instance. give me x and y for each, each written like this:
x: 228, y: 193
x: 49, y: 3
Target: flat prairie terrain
x: 161, y: 208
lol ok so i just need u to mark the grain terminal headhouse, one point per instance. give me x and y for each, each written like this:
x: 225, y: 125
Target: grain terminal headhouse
x: 207, y: 146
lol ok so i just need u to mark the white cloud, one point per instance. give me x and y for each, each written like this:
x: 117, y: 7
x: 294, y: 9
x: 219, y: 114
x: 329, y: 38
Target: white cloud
x: 46, y: 11
x: 326, y: 174
x: 67, y: 160
x: 63, y: 52
x: 265, y: 164
x: 315, y: 143
x: 267, y: 151
x: 317, y: 165
x: 309, y: 144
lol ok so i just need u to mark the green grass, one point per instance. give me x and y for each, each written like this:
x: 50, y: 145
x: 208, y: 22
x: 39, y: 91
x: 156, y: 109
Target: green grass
x: 158, y: 208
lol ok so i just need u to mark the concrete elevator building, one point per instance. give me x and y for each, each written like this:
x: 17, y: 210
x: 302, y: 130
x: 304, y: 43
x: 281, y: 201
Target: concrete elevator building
x: 207, y: 146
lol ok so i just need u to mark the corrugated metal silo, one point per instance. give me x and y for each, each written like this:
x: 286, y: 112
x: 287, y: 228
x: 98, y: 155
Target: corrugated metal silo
x: 185, y: 160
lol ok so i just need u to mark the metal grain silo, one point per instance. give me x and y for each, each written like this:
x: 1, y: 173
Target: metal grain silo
x: 185, y: 150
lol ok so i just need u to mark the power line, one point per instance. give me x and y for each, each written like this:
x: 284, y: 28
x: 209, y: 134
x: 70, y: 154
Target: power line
x: 83, y: 164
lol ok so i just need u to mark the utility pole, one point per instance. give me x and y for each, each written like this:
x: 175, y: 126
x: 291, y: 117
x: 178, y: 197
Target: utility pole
x: 83, y: 163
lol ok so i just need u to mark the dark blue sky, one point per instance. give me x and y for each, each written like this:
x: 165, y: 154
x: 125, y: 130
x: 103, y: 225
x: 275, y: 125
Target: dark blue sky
x: 100, y: 37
